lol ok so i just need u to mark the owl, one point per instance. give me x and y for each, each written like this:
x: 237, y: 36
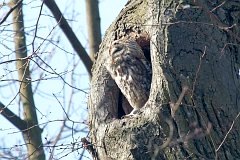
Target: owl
x: 130, y: 70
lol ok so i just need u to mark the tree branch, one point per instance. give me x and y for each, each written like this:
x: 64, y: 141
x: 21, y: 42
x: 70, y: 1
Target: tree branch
x: 52, y: 6
x: 10, y: 11
x: 13, y: 118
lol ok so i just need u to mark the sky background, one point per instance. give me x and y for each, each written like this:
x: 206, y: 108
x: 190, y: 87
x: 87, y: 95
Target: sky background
x: 51, y: 94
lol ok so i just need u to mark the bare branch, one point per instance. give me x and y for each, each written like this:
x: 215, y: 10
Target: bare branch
x: 175, y: 106
x: 13, y: 118
x: 70, y: 34
x: 224, y: 139
x: 10, y: 11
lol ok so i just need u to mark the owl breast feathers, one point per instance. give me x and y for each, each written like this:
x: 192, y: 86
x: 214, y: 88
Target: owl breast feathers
x: 131, y: 71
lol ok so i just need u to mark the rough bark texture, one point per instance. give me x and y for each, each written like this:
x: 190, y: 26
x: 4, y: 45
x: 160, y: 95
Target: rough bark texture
x: 194, y: 45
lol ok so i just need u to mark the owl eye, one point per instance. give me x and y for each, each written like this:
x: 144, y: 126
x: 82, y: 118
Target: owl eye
x: 116, y: 49
x: 115, y: 43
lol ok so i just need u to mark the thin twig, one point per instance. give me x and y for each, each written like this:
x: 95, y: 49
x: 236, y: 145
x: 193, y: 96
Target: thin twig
x: 228, y: 132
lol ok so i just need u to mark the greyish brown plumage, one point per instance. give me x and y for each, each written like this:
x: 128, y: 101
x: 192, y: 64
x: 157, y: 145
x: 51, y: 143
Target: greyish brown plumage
x: 131, y: 71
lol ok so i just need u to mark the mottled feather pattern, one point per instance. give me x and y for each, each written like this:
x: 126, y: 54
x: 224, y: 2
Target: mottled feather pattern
x: 131, y: 71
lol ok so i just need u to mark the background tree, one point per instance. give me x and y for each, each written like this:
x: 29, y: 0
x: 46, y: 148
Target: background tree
x: 31, y: 131
x: 193, y: 109
x: 94, y: 28
x: 36, y: 48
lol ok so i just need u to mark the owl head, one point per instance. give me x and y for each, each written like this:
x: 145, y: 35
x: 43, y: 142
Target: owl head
x: 125, y: 47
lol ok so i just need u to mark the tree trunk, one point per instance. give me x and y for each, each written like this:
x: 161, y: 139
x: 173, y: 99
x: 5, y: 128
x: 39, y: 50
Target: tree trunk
x: 193, y: 108
x: 31, y: 132
x: 94, y: 27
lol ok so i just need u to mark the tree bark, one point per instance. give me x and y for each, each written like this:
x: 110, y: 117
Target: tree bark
x: 32, y: 132
x: 193, y: 109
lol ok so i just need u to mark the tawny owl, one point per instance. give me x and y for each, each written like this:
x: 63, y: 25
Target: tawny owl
x: 131, y: 71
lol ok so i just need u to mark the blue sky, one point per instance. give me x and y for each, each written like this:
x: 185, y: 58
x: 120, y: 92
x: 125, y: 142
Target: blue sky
x: 51, y: 95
